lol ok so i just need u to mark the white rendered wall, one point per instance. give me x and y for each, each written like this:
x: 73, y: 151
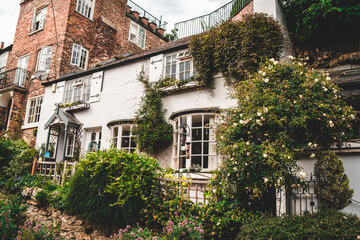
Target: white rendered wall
x: 271, y: 7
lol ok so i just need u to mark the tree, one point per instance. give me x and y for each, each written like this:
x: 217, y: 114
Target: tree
x: 333, y: 188
x: 283, y: 110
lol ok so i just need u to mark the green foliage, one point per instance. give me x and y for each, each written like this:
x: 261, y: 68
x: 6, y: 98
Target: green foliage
x: 319, y: 23
x: 32, y: 230
x: 15, y: 185
x: 42, y: 197
x: 16, y: 153
x: 10, y: 216
x: 322, y: 225
x: 283, y: 109
x: 184, y: 229
x: 333, y: 187
x: 134, y: 234
x: 223, y: 219
x: 111, y: 186
x: 236, y: 49
x: 151, y: 129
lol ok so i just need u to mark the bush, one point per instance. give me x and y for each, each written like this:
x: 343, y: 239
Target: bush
x: 333, y: 187
x: 37, y: 231
x: 17, y: 154
x: 236, y: 49
x: 111, y: 186
x: 189, y: 228
x: 322, y: 225
x: 42, y: 197
x: 10, y: 215
x: 16, y: 185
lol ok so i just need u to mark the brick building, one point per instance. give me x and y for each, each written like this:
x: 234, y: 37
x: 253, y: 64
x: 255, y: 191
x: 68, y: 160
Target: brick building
x: 57, y: 37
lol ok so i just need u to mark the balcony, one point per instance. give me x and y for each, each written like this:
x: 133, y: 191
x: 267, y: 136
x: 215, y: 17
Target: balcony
x: 134, y: 7
x: 14, y: 77
x: 203, y: 23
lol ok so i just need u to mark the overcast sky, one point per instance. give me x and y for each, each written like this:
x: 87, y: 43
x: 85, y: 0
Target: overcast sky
x: 171, y: 11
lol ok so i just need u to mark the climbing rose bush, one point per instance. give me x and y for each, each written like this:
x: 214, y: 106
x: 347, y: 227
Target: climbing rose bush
x: 283, y: 109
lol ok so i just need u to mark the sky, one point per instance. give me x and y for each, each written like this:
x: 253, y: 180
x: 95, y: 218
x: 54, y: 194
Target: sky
x: 172, y: 11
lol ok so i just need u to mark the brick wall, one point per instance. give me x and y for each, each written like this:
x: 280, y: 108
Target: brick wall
x: 248, y: 9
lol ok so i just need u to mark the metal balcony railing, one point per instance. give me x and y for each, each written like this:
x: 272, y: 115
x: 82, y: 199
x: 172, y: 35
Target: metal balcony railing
x: 134, y: 7
x: 14, y: 77
x: 203, y: 23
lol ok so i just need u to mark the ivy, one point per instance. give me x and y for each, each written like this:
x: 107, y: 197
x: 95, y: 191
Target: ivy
x: 151, y: 129
x: 236, y: 49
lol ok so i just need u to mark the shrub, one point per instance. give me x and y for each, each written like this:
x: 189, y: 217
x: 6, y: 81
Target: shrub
x: 322, y: 225
x: 236, y: 49
x: 134, y: 234
x: 42, y: 197
x: 111, y: 186
x: 10, y: 216
x: 151, y: 129
x: 37, y: 231
x: 189, y: 228
x: 16, y: 185
x: 283, y: 110
x: 309, y: 21
x: 333, y: 187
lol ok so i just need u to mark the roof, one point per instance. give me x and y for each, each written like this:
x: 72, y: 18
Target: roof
x: 7, y: 49
x: 65, y: 117
x: 164, y: 48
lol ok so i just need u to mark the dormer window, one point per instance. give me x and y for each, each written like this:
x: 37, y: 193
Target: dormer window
x: 178, y: 66
x: 137, y: 35
x: 39, y: 19
x: 78, y: 90
x: 79, y: 56
x: 85, y: 7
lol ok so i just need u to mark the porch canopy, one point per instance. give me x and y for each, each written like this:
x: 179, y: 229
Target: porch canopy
x: 61, y: 122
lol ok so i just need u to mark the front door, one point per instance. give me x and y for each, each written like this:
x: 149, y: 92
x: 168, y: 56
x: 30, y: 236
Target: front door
x: 20, y: 75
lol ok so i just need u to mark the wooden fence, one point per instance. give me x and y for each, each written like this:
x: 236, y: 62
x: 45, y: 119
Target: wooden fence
x: 194, y: 190
x: 58, y: 172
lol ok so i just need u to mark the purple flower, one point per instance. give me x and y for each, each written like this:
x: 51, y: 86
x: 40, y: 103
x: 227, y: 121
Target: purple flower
x: 132, y: 234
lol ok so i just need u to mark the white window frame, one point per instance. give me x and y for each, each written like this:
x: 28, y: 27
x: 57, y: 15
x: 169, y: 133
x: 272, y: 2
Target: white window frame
x: 32, y: 115
x: 94, y: 140
x: 44, y: 59
x: 70, y: 142
x: 118, y: 137
x: 39, y: 18
x: 173, y: 63
x: 3, y: 61
x: 78, y: 90
x: 185, y: 153
x: 85, y: 8
x: 77, y: 56
x: 134, y: 35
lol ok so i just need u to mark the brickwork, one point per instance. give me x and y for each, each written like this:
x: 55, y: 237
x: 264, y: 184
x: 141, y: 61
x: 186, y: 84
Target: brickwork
x: 248, y: 9
x: 3, y: 111
x: 105, y: 35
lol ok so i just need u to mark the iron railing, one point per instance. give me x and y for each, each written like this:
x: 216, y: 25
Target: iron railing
x: 134, y: 7
x: 203, y: 23
x: 14, y: 77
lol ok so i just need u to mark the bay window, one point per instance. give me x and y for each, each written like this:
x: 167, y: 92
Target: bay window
x: 122, y: 137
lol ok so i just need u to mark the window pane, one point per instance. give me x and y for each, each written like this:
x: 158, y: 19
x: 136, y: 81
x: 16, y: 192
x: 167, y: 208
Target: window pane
x: 125, y: 142
x: 182, y: 162
x: 205, y: 162
x: 206, y: 133
x: 182, y: 67
x: 126, y: 130
x: 196, y: 120
x: 196, y: 148
x: 196, y: 134
x: 196, y: 161
x: 187, y: 65
x: 133, y: 143
x: 206, y: 148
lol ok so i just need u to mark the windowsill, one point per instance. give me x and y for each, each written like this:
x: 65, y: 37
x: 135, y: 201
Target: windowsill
x: 135, y: 43
x: 174, y: 88
x: 82, y: 106
x: 34, y: 32
x: 84, y: 69
x: 29, y: 125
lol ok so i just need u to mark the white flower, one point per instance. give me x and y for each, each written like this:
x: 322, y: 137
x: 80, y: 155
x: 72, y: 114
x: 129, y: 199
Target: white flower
x: 328, y: 78
x: 235, y: 168
x: 248, y: 154
x: 260, y: 71
x: 316, y: 79
x: 312, y: 155
x: 266, y: 109
x: 266, y: 180
x: 324, y: 114
x: 272, y: 60
x: 265, y: 155
x: 315, y: 145
x: 331, y: 124
x: 352, y: 116
x: 325, y: 89
x: 259, y: 114
x: 266, y: 80
x: 300, y: 64
x: 300, y: 96
x: 290, y: 57
x: 264, y: 73
x: 276, y: 62
x: 258, y: 121
x: 309, y: 144
x: 302, y: 174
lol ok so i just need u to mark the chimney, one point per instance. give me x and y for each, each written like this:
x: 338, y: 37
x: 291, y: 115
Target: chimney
x: 144, y: 20
x: 161, y: 31
x: 153, y: 26
x: 136, y: 14
x: 1, y: 45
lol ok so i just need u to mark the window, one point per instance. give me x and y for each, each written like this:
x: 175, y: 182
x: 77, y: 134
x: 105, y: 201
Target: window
x: 137, y: 35
x: 3, y: 60
x: 122, y: 137
x: 53, y: 141
x: 95, y: 141
x: 194, y: 141
x: 85, y: 7
x: 78, y: 90
x: 38, y: 20
x: 33, y: 109
x: 79, y: 56
x: 21, y: 71
x: 70, y: 142
x: 178, y: 66
x: 44, y: 58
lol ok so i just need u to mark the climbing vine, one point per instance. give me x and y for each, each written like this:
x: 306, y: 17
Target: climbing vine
x: 151, y: 129
x: 236, y: 49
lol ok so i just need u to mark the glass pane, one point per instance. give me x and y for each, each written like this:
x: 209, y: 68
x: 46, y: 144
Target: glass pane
x: 187, y: 75
x: 168, y: 59
x: 181, y: 66
x: 196, y: 148
x: 173, y: 58
x: 182, y: 162
x: 206, y: 148
x: 125, y: 142
x: 115, y: 133
x: 197, y: 120
x: 187, y: 66
x: 167, y: 70
x: 206, y: 133
x: 181, y: 76
x: 126, y: 130
x: 207, y: 120
x: 133, y: 143
x: 205, y: 162
x: 196, y: 160
x: 196, y: 134
x: 173, y: 68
